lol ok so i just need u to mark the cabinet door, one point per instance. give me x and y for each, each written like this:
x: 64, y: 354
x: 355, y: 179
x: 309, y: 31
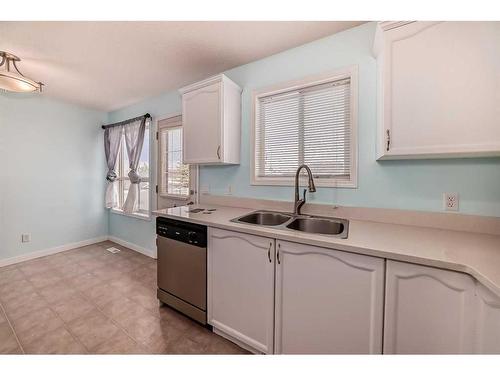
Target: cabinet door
x: 428, y: 310
x: 487, y: 321
x: 439, y: 90
x: 202, y: 116
x: 241, y: 287
x: 327, y: 301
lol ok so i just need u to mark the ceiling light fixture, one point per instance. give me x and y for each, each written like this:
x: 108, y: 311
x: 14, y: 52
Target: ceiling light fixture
x: 12, y: 79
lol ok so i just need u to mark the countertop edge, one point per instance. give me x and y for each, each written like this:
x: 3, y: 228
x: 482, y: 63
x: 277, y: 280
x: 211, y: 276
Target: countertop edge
x: 324, y: 243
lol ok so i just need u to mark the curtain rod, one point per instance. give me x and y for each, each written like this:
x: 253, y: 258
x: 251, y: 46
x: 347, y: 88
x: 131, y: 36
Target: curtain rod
x: 147, y: 115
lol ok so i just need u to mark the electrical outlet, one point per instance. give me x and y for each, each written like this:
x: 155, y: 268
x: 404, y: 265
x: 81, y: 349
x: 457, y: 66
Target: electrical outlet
x: 205, y: 189
x: 450, y: 201
x: 25, y: 237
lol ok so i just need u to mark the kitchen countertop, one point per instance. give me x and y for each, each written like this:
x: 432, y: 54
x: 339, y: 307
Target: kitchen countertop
x: 471, y: 253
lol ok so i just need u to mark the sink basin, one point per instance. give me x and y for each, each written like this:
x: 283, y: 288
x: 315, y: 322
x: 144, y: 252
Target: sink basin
x: 308, y: 224
x: 337, y: 227
x: 264, y: 218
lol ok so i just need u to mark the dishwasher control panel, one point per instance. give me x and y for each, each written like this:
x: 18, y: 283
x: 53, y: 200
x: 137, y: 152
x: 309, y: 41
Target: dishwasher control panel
x: 182, y: 231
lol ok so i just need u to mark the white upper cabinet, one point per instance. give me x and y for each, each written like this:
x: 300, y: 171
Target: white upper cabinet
x: 438, y: 89
x: 327, y: 301
x: 211, y: 115
x: 429, y: 311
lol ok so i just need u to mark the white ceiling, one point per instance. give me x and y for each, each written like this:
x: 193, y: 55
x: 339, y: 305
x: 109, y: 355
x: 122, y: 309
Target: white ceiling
x: 108, y: 65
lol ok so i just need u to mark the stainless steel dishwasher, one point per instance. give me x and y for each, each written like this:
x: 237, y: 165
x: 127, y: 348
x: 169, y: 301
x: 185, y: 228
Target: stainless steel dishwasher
x: 182, y: 267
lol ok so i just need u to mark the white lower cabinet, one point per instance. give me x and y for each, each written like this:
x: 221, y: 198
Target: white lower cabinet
x: 241, y: 287
x: 282, y: 297
x: 327, y: 301
x: 487, y: 322
x: 428, y: 310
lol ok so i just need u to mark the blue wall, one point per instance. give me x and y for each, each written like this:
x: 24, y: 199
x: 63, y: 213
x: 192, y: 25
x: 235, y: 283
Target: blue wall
x: 52, y: 174
x: 412, y: 184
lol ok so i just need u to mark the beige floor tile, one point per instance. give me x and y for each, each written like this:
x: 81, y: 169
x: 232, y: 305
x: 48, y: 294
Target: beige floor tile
x: 85, y: 281
x: 14, y: 289
x: 92, y: 329
x: 144, y: 297
x: 219, y: 345
x: 58, y: 341
x: 3, y: 319
x: 8, y: 342
x: 21, y: 304
x: 120, y: 343
x: 72, y: 308
x: 101, y: 294
x: 125, y: 265
x: 90, y: 299
x: 123, y: 307
x: 185, y: 346
x: 199, y: 334
x: 36, y: 324
x: 70, y: 270
x: 143, y: 328
x: 58, y: 291
x: 124, y: 283
x: 35, y: 266
x: 141, y: 259
x: 10, y: 275
x: 41, y: 280
x: 9, y: 267
x: 153, y: 333
x: 174, y: 318
x: 107, y: 272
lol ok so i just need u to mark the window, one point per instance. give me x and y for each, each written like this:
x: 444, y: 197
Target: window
x: 313, y: 123
x: 143, y: 203
x: 174, y: 176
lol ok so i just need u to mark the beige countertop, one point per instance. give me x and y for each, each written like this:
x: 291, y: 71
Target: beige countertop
x: 472, y: 253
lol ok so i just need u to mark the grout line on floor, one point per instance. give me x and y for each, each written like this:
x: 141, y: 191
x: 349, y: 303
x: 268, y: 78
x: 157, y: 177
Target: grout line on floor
x: 11, y: 327
x: 59, y: 316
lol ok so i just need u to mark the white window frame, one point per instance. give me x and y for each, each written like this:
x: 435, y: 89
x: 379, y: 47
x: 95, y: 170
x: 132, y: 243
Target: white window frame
x: 350, y: 72
x: 170, y: 123
x: 123, y: 171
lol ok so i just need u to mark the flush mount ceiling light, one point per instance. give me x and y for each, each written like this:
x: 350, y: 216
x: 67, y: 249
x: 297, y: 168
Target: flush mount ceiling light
x: 11, y: 79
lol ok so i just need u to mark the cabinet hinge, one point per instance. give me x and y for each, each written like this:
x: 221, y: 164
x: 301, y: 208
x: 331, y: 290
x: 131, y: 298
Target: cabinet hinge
x: 388, y: 139
x: 156, y: 189
x: 156, y: 135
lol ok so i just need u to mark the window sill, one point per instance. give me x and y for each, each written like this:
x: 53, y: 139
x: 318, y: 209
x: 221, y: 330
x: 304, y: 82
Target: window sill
x: 175, y: 197
x: 137, y: 215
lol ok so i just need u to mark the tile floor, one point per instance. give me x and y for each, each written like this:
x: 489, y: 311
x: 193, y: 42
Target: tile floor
x: 88, y: 300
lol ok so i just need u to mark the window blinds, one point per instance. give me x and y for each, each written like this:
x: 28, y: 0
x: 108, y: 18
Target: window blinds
x: 309, y: 126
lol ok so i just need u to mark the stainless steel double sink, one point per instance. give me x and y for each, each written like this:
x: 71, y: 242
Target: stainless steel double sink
x: 301, y: 223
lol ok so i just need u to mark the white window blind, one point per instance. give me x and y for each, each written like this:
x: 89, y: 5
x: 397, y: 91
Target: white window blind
x: 174, y: 175
x: 309, y: 125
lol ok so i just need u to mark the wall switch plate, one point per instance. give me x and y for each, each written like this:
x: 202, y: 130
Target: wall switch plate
x: 25, y: 237
x: 450, y: 201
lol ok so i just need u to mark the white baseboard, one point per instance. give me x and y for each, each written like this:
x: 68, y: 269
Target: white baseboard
x: 53, y: 250
x: 132, y: 246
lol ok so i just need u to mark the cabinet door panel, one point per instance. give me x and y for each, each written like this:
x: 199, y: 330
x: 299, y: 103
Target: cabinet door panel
x: 428, y: 310
x: 241, y: 287
x: 487, y: 321
x: 440, y: 90
x: 202, y: 107
x: 327, y: 301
